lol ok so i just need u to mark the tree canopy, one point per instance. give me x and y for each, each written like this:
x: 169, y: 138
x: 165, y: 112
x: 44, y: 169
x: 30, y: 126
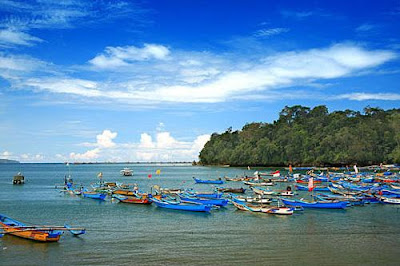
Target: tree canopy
x: 305, y: 136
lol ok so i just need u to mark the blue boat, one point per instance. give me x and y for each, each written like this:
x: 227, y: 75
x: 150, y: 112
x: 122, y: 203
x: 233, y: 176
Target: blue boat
x: 305, y: 188
x: 317, y: 204
x: 94, y: 195
x: 200, y: 181
x: 215, y: 202
x: 181, y: 206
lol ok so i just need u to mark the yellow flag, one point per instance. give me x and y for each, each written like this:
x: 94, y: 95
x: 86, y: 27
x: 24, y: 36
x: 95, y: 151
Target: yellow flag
x: 158, y: 172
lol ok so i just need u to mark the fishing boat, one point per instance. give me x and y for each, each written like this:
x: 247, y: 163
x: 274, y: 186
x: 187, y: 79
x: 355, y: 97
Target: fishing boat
x: 316, y: 188
x: 201, y: 181
x: 208, y: 195
x: 389, y: 200
x: 37, y: 233
x: 126, y: 172
x: 258, y: 200
x: 18, y: 179
x: 278, y: 210
x: 177, y: 205
x: 231, y: 190
x: 317, y: 204
x: 94, y: 195
x: 246, y: 207
x: 215, y: 202
x: 262, y: 191
x: 258, y: 183
x: 236, y: 179
x: 137, y: 199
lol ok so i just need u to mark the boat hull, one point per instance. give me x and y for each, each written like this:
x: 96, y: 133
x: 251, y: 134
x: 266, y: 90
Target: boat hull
x: 320, y: 205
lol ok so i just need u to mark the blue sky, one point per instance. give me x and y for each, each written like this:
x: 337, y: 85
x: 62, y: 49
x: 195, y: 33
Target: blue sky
x: 151, y: 80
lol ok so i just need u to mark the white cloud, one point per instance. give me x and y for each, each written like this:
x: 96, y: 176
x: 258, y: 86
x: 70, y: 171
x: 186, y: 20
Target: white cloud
x: 121, y: 56
x: 223, y: 79
x: 146, y: 141
x: 50, y: 14
x: 105, y: 139
x: 270, y: 32
x: 366, y: 27
x: 6, y: 154
x: 12, y: 37
x: 370, y: 96
x: 89, y: 155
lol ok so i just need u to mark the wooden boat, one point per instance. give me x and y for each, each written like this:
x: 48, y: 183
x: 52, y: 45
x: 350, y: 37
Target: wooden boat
x: 94, y: 195
x: 125, y: 192
x: 139, y: 199
x: 389, y: 200
x: 278, y: 210
x: 208, y: 195
x: 18, y: 179
x: 234, y: 179
x: 201, y: 181
x: 395, y: 186
x: 317, y: 204
x: 262, y: 191
x: 258, y: 183
x: 316, y: 188
x: 126, y: 172
x: 37, y: 233
x: 246, y: 207
x: 176, y: 205
x: 231, y: 190
x: 258, y: 200
x: 215, y: 202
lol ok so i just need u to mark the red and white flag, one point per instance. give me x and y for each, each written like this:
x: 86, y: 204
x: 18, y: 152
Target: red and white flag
x: 310, y: 184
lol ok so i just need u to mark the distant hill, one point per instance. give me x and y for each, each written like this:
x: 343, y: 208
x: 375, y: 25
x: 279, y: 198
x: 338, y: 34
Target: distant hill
x: 303, y: 136
x: 8, y: 161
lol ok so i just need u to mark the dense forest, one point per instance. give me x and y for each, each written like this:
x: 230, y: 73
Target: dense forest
x: 305, y: 136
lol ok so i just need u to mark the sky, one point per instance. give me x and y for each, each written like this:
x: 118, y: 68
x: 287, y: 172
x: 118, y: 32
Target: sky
x: 102, y: 80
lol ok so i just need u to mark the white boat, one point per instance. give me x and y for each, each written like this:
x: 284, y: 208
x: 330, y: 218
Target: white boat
x: 258, y: 183
x: 278, y: 210
x: 126, y: 172
x: 390, y: 200
x: 262, y: 191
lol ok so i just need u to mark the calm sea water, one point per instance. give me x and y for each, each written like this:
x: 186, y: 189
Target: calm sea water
x: 127, y: 234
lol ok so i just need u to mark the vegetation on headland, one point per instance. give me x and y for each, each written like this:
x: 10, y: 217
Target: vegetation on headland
x: 8, y: 161
x: 305, y: 136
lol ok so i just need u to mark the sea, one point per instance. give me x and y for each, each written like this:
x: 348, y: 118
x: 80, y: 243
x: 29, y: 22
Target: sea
x: 129, y: 234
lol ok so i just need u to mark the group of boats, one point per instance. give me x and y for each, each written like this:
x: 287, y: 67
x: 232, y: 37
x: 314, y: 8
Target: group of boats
x: 260, y: 193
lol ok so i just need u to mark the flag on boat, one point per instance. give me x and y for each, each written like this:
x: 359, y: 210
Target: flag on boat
x: 310, y: 184
x: 100, y: 175
x: 158, y: 172
x: 355, y: 169
x: 290, y: 168
x: 149, y: 176
x: 248, y: 168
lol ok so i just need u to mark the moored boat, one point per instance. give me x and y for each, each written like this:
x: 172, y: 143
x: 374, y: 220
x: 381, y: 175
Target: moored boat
x: 37, y: 233
x: 137, y: 199
x: 317, y: 204
x: 94, y: 195
x: 176, y: 205
x: 201, y: 181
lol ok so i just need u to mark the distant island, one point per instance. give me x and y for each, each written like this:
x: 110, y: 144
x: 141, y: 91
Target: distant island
x: 8, y: 161
x: 304, y: 136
